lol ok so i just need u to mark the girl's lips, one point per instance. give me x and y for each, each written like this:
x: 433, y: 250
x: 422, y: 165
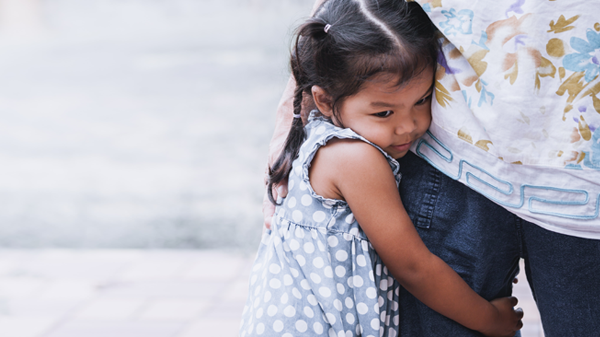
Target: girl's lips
x: 403, y: 147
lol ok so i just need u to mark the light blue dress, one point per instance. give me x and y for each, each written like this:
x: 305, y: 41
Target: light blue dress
x: 316, y: 273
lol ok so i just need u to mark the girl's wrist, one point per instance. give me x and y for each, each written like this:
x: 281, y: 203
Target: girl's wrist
x: 488, y: 318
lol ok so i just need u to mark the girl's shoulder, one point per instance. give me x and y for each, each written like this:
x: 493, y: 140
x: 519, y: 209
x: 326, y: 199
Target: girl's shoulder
x: 343, y: 145
x: 332, y: 155
x: 345, y: 160
x: 345, y: 152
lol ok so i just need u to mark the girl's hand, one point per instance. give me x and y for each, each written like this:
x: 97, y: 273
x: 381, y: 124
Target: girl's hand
x: 268, y: 207
x: 507, y: 320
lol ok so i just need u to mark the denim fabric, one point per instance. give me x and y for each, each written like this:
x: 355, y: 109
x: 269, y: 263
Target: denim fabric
x: 564, y: 272
x: 483, y: 242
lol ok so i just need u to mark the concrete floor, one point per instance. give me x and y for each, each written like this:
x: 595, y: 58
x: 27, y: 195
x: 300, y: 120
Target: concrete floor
x: 138, y: 293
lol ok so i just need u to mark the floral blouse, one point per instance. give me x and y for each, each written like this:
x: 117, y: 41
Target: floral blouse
x: 516, y: 114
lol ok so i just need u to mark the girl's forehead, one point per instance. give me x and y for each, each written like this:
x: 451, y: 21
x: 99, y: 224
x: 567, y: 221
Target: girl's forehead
x: 389, y: 82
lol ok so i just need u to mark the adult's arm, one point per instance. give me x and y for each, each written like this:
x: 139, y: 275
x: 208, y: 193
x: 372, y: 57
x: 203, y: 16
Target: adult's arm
x: 283, y: 122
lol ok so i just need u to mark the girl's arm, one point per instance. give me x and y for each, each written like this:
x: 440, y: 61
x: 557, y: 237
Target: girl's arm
x: 358, y: 173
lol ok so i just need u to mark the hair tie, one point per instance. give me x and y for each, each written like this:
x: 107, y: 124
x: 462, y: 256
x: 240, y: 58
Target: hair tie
x: 326, y: 29
x: 297, y: 116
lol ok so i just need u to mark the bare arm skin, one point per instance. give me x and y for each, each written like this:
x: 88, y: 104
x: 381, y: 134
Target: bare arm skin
x: 283, y: 122
x: 358, y: 173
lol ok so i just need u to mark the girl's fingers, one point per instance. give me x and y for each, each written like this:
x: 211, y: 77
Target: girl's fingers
x: 268, y: 210
x: 519, y: 312
x: 279, y: 191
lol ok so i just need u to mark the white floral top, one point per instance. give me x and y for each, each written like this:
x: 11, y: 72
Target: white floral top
x: 516, y: 114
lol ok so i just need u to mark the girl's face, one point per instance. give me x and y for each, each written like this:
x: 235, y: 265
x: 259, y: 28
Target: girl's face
x: 386, y: 115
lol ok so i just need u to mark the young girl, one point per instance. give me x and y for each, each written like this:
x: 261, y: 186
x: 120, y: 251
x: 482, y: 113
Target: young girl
x: 369, y: 67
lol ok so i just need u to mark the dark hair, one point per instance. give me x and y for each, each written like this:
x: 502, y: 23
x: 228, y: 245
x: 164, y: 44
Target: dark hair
x: 365, y: 38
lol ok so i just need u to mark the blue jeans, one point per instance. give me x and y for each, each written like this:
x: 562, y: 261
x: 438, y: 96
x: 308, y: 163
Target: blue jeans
x: 483, y: 243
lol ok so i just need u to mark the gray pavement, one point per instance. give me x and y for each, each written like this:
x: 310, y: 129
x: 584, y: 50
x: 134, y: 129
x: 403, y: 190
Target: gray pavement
x: 121, y: 293
x: 137, y: 293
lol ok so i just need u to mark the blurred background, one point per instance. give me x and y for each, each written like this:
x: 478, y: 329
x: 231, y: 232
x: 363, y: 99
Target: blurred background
x: 138, y: 123
x: 133, y: 141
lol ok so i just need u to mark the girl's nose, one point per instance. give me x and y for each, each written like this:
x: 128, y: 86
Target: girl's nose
x: 407, y: 125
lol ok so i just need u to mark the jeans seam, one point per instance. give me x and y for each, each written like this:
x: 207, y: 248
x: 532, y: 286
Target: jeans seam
x: 430, y: 199
x: 519, y: 230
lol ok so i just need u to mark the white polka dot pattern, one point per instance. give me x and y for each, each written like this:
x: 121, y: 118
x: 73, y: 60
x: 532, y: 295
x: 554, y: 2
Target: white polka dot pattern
x: 315, y: 273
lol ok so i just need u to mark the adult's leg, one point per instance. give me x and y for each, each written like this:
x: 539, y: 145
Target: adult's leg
x: 477, y: 238
x: 564, y: 274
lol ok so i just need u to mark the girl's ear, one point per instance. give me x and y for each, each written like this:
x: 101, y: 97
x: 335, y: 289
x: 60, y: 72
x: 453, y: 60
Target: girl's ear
x: 322, y: 100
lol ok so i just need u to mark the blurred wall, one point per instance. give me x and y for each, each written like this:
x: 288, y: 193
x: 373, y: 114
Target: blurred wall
x: 138, y: 123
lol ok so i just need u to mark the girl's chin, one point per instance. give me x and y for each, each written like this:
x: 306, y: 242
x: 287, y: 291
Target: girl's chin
x: 398, y: 154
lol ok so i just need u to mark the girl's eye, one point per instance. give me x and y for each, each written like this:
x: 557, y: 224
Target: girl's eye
x: 423, y: 100
x: 383, y: 113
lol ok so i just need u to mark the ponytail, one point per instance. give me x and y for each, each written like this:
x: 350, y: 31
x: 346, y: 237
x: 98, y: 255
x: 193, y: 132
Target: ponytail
x: 345, y: 44
x: 280, y: 171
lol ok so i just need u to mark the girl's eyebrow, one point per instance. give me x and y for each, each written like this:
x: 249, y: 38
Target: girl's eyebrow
x: 430, y: 91
x: 381, y: 105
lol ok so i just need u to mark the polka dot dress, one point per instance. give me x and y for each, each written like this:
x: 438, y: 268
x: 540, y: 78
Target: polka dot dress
x: 316, y: 273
